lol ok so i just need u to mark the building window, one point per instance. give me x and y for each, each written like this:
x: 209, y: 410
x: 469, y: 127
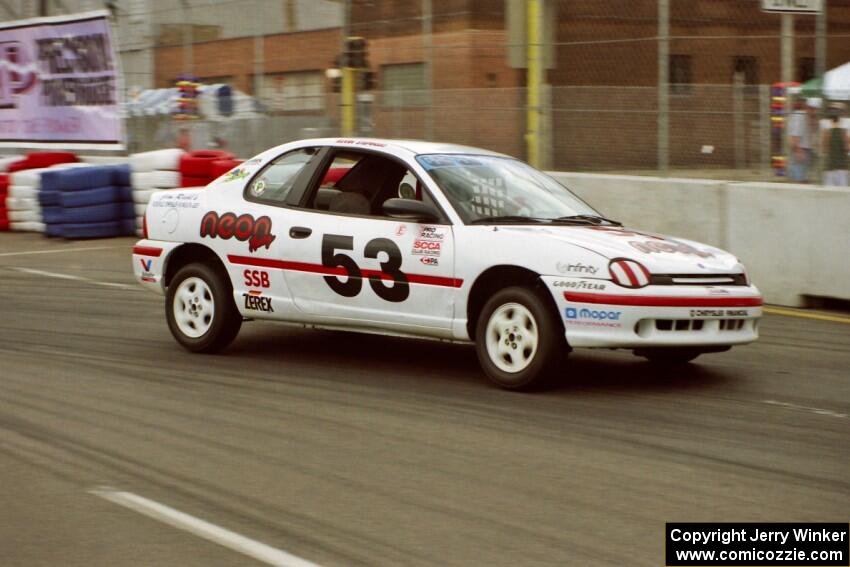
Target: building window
x: 680, y: 74
x: 287, y: 92
x: 748, y: 66
x: 404, y: 84
x: 807, y: 69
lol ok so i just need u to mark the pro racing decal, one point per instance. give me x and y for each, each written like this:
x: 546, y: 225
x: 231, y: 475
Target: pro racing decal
x: 257, y: 232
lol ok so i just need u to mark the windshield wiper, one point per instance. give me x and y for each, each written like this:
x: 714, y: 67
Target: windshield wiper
x: 508, y: 219
x: 591, y: 219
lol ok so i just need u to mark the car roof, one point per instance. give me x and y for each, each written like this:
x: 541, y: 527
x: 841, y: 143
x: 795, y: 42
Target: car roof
x: 416, y: 147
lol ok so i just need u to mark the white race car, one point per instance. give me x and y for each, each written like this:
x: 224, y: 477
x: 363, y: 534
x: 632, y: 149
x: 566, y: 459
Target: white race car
x: 438, y: 241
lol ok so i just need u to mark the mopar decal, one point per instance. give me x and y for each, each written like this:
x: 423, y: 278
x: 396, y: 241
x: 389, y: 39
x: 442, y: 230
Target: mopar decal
x: 257, y: 232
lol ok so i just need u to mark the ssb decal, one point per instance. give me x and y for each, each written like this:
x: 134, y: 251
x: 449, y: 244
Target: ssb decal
x: 256, y: 278
x: 257, y: 232
x: 254, y: 301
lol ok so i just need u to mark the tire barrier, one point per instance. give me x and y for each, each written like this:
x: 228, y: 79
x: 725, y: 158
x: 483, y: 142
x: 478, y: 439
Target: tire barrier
x: 199, y: 168
x: 94, y: 201
x: 40, y: 160
x: 150, y: 172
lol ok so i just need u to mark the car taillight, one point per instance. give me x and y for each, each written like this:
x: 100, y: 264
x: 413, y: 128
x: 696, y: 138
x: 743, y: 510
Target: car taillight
x: 145, y: 225
x: 628, y: 273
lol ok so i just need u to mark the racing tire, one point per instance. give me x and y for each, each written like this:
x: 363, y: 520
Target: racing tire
x: 200, y: 310
x: 89, y: 197
x: 518, y: 339
x: 670, y: 356
x: 156, y: 159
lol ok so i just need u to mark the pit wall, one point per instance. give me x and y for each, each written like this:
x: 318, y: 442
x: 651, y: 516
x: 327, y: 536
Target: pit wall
x: 794, y: 239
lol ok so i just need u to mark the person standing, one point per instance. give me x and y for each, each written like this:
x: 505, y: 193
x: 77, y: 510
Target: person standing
x: 802, y: 132
x: 835, y: 144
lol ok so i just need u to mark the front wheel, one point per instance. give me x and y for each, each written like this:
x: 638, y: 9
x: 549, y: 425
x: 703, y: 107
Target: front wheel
x: 518, y: 339
x: 200, y: 310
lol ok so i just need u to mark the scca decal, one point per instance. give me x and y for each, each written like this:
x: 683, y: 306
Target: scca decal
x: 257, y: 232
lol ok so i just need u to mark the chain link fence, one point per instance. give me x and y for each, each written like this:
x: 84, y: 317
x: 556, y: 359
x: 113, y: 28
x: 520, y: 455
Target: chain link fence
x: 452, y: 71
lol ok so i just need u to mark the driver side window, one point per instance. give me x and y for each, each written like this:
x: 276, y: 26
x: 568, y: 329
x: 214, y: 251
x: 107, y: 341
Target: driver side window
x: 274, y: 183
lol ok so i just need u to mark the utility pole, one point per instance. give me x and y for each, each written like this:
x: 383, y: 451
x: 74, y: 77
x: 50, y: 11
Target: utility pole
x: 820, y: 43
x: 188, y: 56
x: 259, y: 52
x: 348, y: 76
x: 535, y: 79
x: 787, y: 77
x: 427, y: 47
x: 663, y: 87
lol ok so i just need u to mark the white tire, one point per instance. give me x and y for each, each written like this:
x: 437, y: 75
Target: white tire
x: 21, y: 204
x: 140, y: 209
x: 158, y: 159
x: 160, y: 179
x: 142, y: 196
x: 23, y: 192
x: 31, y: 177
x: 25, y: 216
x: 27, y: 226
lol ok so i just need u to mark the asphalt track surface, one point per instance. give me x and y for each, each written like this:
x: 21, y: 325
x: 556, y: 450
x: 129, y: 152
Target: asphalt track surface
x: 344, y: 449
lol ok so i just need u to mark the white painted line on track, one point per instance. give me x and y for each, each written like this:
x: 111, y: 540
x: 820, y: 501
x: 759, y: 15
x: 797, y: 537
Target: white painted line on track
x: 246, y: 546
x: 72, y: 277
x: 58, y: 250
x: 819, y: 411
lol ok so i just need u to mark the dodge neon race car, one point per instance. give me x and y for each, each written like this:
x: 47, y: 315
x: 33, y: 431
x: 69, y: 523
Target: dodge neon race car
x: 432, y: 240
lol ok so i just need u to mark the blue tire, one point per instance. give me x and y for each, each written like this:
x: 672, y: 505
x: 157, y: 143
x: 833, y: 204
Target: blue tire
x: 91, y: 230
x: 51, y: 215
x: 89, y: 197
x: 128, y: 227
x: 121, y: 175
x: 78, y: 178
x: 93, y: 214
x: 49, y: 198
x: 54, y: 230
x: 125, y: 194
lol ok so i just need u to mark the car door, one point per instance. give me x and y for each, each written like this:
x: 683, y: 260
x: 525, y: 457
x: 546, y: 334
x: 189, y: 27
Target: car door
x: 252, y: 231
x: 358, y: 267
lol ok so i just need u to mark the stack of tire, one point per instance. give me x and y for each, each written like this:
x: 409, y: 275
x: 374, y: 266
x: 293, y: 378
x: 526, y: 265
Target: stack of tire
x: 4, y: 189
x: 198, y: 168
x: 88, y: 202
x: 153, y: 171
x: 23, y: 208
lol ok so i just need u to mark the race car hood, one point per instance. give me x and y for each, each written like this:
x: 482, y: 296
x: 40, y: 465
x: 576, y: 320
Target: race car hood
x: 658, y: 253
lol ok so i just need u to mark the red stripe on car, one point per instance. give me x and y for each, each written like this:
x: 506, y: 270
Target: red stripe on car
x: 629, y: 273
x: 662, y: 301
x: 147, y: 251
x: 340, y: 271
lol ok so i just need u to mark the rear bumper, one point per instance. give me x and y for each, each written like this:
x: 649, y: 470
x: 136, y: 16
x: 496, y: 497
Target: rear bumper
x: 149, y: 259
x: 609, y: 316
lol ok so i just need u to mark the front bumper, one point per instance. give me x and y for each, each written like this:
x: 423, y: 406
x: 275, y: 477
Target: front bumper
x: 598, y: 313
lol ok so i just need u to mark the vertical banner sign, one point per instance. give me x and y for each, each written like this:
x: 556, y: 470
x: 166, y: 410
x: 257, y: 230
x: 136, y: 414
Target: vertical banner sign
x: 60, y: 83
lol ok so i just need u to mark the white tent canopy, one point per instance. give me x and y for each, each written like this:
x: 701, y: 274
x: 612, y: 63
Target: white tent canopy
x: 153, y: 102
x: 836, y: 83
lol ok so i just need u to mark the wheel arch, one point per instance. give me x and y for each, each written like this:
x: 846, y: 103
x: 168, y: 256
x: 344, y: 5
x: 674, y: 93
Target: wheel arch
x: 189, y: 253
x: 499, y: 277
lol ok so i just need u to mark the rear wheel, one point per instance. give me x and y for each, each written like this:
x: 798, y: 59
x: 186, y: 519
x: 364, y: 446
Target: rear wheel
x: 200, y: 310
x: 518, y: 339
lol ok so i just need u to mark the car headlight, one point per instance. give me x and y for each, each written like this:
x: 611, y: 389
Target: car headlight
x: 628, y: 273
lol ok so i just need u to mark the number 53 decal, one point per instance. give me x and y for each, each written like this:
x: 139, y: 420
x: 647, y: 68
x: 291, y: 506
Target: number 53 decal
x: 397, y: 292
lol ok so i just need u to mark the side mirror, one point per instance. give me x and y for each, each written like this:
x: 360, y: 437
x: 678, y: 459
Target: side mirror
x: 409, y: 209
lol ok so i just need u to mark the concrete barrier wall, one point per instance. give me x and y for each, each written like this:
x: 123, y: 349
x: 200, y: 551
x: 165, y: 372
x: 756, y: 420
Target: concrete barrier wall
x: 794, y: 239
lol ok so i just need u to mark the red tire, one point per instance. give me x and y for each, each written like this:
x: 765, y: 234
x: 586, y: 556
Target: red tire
x: 192, y: 181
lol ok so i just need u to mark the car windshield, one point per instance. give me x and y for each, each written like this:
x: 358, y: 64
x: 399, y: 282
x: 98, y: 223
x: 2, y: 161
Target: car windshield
x: 499, y: 189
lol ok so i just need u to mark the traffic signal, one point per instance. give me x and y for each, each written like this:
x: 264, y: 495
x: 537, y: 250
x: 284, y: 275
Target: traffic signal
x: 355, y: 51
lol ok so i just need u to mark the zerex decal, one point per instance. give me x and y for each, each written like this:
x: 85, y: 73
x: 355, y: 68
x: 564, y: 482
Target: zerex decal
x: 257, y: 232
x: 254, y: 301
